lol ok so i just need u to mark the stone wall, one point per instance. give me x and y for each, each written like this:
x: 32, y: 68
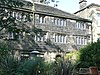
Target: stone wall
x: 69, y: 28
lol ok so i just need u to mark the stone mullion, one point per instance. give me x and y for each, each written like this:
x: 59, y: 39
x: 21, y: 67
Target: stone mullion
x: 56, y: 38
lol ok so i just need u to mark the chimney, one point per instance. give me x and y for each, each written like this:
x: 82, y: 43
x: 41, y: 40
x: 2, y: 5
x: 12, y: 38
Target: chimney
x: 82, y: 3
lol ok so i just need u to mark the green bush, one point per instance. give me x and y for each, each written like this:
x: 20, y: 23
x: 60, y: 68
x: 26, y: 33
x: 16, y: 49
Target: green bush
x: 89, y: 55
x: 35, y: 66
x: 9, y: 65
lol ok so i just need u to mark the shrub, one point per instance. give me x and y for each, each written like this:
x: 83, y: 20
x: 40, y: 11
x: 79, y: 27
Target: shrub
x: 89, y: 55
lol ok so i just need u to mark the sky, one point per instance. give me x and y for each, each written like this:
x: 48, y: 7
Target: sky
x: 72, y: 6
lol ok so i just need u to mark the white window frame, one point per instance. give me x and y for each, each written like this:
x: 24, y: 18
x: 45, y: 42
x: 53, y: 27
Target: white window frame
x: 42, y: 19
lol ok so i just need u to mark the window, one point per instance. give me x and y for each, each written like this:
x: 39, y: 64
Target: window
x: 64, y: 22
x: 80, y: 25
x: 40, y: 37
x: 24, y: 17
x: 13, y: 14
x: 36, y: 37
x: 13, y: 35
x: 10, y: 35
x: 52, y: 19
x: 41, y: 19
x: 55, y: 21
x: 87, y: 27
x: 98, y: 19
x: 76, y: 40
x: 85, y: 41
x: 58, y: 22
x: 55, y: 38
x: 77, y: 24
x: 28, y: 16
x: 81, y: 40
x: 84, y: 26
x: 44, y: 38
x: 64, y: 41
x: 98, y: 15
x: 98, y: 39
x: 59, y: 38
x: 36, y: 16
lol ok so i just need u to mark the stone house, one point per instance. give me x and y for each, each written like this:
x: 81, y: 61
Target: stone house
x: 91, y: 12
x: 50, y: 31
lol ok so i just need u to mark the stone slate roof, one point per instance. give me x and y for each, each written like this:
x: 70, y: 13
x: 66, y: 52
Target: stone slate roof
x: 90, y: 5
x: 48, y: 10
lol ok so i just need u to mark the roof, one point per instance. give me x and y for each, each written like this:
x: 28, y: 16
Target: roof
x: 91, y: 5
x: 48, y: 10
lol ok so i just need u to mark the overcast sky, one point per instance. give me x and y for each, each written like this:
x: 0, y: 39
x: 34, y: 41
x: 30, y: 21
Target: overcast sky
x: 72, y: 6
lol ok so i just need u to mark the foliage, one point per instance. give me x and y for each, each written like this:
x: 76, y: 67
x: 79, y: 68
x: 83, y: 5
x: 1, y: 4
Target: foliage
x: 31, y: 67
x: 5, y: 19
x: 72, y: 57
x: 89, y: 55
x: 9, y: 20
x: 62, y: 67
x: 4, y: 50
x: 10, y: 3
x: 9, y: 65
x: 49, y: 1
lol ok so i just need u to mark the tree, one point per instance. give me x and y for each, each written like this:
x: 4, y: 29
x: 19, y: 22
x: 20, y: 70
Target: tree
x: 11, y: 22
x: 6, y: 19
x: 50, y: 1
x: 9, y: 65
x: 89, y: 55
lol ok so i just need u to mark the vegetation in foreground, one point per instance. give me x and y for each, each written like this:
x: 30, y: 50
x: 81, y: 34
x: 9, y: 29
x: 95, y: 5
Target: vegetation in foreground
x: 9, y: 65
x: 89, y: 55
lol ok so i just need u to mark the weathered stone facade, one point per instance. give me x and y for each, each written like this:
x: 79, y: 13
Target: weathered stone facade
x: 59, y: 24
x: 92, y: 13
x: 50, y: 31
